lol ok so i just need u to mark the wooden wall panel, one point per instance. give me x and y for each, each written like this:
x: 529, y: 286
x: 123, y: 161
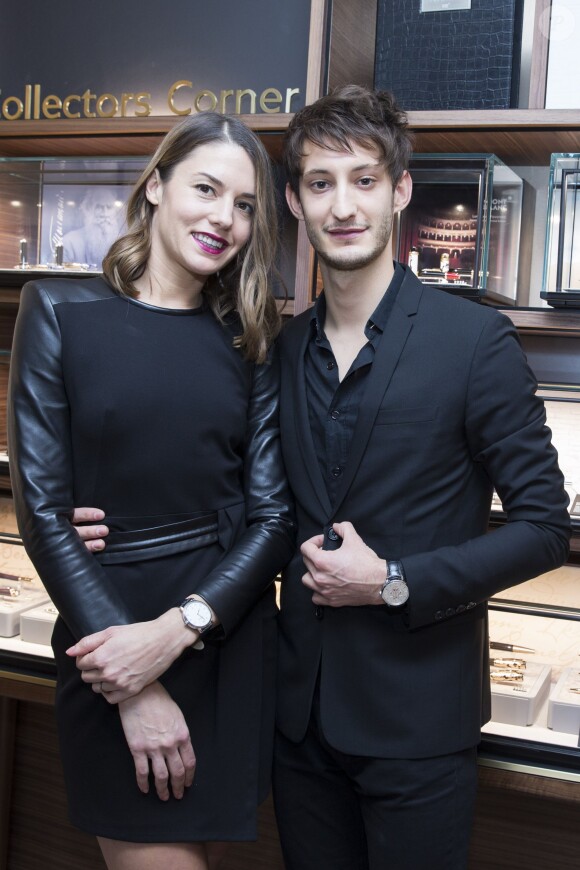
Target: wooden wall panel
x: 525, y: 822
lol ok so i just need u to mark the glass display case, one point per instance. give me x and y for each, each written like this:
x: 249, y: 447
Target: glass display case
x: 461, y: 229
x: 535, y: 661
x: 21, y: 593
x: 62, y: 214
x: 535, y: 626
x: 561, y: 279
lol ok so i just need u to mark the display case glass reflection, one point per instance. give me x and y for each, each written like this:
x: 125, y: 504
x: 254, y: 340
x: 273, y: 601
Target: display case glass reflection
x: 563, y: 417
x: 62, y: 213
x: 461, y: 229
x: 561, y: 280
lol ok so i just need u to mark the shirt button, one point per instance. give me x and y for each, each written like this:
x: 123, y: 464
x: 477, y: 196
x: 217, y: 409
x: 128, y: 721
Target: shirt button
x: 450, y: 611
x: 336, y: 471
x: 330, y: 366
x: 461, y: 608
x: 335, y: 414
x: 471, y: 605
x: 332, y: 535
x: 439, y: 614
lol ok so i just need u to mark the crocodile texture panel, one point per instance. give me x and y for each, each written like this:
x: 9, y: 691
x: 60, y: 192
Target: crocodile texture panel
x: 465, y: 59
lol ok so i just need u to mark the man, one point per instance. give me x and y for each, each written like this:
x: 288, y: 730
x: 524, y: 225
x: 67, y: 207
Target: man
x: 100, y: 214
x: 402, y: 408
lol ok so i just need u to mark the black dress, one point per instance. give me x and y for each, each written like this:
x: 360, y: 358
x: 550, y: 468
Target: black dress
x: 152, y: 415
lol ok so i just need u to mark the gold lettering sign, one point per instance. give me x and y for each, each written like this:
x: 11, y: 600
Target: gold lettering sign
x: 182, y: 99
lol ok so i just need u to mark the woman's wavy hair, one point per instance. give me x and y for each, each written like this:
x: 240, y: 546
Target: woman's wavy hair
x: 350, y: 114
x: 243, y: 287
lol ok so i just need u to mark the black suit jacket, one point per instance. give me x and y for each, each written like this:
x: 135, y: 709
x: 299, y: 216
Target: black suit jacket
x: 449, y: 412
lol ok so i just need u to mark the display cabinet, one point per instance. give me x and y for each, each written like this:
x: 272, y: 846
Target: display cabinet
x: 62, y: 214
x: 461, y: 229
x: 561, y: 279
x: 529, y: 756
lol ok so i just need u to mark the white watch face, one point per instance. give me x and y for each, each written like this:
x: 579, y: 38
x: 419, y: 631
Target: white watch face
x: 395, y: 592
x: 197, y: 613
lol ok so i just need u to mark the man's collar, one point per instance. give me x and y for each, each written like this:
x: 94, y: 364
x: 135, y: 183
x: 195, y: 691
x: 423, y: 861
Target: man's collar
x: 379, y: 316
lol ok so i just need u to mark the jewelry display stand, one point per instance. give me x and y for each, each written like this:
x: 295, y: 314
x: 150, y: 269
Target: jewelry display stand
x: 519, y: 703
x: 564, y: 703
x: 36, y: 625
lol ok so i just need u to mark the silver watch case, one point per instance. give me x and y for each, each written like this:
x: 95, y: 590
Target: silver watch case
x: 395, y: 592
x: 196, y: 614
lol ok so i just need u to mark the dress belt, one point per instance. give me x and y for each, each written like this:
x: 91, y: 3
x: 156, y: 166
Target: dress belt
x: 136, y: 545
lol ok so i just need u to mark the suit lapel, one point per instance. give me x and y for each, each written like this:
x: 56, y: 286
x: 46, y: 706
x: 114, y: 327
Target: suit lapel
x: 393, y: 340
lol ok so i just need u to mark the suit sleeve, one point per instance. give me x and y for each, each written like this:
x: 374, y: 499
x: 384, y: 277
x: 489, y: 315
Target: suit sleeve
x: 505, y: 427
x: 269, y: 540
x: 41, y: 472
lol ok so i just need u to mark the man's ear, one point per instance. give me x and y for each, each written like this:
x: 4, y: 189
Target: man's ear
x: 293, y: 201
x: 402, y: 192
x: 154, y: 188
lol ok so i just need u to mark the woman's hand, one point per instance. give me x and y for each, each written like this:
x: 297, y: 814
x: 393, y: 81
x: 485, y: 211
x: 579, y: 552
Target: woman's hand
x: 159, y: 741
x: 92, y: 535
x: 120, y: 661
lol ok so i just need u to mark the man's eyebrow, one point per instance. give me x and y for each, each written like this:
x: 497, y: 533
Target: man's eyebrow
x: 317, y: 172
x: 359, y: 168
x: 220, y: 183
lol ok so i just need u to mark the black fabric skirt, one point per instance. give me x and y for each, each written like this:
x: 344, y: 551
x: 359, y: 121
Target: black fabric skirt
x: 226, y: 693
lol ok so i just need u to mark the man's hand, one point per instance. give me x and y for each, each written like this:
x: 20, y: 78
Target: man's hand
x: 120, y: 661
x: 351, y: 576
x: 159, y: 740
x: 92, y: 535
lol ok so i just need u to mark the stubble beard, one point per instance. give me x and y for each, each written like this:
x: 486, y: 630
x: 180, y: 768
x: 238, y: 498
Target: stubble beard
x: 351, y: 260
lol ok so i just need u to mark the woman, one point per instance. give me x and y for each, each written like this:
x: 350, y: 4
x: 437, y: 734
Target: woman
x: 153, y: 394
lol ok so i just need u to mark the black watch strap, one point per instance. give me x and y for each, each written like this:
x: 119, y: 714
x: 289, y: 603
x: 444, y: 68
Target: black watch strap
x: 394, y: 567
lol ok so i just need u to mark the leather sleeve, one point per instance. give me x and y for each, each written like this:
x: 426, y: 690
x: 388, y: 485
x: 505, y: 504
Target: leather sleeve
x: 269, y: 540
x: 41, y: 472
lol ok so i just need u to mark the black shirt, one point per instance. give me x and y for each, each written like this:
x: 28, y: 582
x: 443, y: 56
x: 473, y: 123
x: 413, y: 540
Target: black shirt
x: 332, y: 404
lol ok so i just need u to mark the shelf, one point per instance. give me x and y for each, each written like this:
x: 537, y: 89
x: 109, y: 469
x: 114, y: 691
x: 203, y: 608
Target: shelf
x: 113, y: 136
x: 545, y: 321
x: 517, y: 136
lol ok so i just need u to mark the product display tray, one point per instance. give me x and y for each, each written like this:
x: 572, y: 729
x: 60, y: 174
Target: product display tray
x: 564, y: 703
x: 36, y: 625
x: 11, y: 609
x: 520, y: 703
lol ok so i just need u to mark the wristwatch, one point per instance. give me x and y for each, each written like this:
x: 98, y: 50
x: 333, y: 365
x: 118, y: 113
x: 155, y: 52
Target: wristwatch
x: 395, y: 592
x: 196, y: 615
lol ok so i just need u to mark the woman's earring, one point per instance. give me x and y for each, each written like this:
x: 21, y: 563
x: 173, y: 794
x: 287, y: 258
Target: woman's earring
x: 219, y: 279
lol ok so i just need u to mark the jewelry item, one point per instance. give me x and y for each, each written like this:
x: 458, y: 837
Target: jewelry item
x: 509, y: 664
x: 506, y: 676
x: 10, y: 591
